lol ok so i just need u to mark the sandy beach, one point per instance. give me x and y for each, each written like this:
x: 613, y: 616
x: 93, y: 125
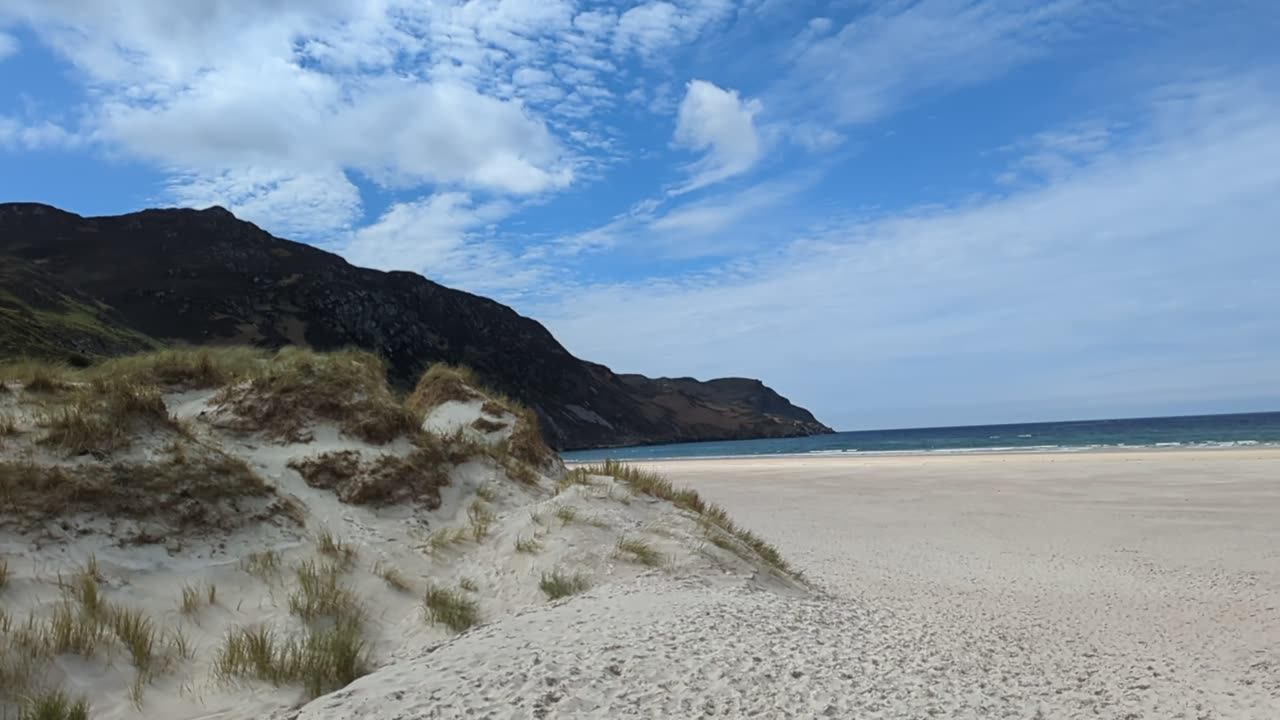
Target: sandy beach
x: 1116, y: 585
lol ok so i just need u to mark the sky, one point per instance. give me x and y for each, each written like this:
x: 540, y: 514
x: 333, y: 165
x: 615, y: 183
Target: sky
x: 897, y: 213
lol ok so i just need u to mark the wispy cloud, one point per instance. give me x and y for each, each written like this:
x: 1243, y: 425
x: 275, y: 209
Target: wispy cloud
x: 1157, y: 252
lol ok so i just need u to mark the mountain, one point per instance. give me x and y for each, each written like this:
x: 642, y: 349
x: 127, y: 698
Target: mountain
x: 86, y: 287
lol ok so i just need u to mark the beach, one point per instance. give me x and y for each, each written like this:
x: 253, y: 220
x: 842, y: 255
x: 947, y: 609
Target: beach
x: 1117, y: 584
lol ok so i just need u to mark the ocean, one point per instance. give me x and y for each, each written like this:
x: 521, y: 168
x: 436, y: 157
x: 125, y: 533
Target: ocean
x: 1210, y: 431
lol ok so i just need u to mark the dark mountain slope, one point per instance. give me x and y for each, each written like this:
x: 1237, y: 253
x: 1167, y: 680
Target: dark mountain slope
x: 204, y: 277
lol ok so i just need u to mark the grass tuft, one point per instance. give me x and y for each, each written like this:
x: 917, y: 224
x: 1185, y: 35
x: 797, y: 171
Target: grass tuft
x: 322, y: 660
x: 320, y: 593
x: 566, y: 514
x: 391, y: 575
x: 342, y: 553
x: 264, y: 565
x: 652, y: 484
x: 469, y: 585
x: 53, y: 705
x: 297, y: 388
x: 528, y: 545
x: 558, y: 584
x: 450, y: 608
x: 481, y: 519
x: 639, y: 551
x: 197, y: 596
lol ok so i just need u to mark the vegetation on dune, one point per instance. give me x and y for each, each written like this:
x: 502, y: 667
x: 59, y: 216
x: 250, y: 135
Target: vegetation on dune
x: 716, y: 522
x: 298, y: 388
x: 559, y: 584
x: 442, y: 383
x: 105, y: 415
x: 201, y: 489
x: 450, y: 608
x: 185, y: 368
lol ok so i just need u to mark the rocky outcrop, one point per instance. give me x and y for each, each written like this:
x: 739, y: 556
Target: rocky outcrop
x: 205, y: 277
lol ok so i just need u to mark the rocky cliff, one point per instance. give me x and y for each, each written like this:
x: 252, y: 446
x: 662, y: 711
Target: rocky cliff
x: 85, y: 287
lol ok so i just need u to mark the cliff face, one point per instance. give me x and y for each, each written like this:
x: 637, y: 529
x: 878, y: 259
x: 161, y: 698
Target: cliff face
x: 204, y: 277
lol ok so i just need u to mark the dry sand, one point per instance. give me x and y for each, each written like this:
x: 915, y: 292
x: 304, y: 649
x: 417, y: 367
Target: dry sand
x: 1114, y: 585
x: 1118, y: 586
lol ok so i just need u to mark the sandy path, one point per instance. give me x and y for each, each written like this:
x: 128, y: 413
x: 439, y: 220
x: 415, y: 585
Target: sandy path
x: 1117, y: 585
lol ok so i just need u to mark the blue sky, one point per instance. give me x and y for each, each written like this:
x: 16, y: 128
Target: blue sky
x: 895, y: 213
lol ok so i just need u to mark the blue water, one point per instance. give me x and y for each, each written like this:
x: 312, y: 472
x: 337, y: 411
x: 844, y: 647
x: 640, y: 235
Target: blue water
x: 1166, y: 432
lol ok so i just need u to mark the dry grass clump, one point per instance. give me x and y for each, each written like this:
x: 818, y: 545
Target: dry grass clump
x: 389, y: 479
x: 105, y: 416
x: 639, y: 551
x: 558, y: 584
x: 199, y: 491
x: 445, y: 538
x: 4, y: 574
x: 53, y: 705
x: 566, y: 514
x: 263, y: 565
x: 485, y: 425
x: 37, y: 376
x: 184, y: 368
x: 709, y: 514
x: 341, y: 552
x: 195, y: 597
x: 443, y: 383
x: 298, y: 388
x: 526, y: 441
x: 450, y: 608
x: 322, y: 660
x: 481, y: 519
x: 530, y: 545
x: 320, y: 593
x: 392, y: 576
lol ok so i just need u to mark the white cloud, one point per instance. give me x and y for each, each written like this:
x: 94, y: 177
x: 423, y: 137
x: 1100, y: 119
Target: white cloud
x: 443, y: 237
x: 898, y: 50
x: 651, y: 28
x: 720, y: 123
x: 41, y: 135
x: 1129, y: 284
x: 9, y: 45
x: 312, y: 205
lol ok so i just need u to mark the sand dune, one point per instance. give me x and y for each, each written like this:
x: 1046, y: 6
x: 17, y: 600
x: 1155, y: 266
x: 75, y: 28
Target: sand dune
x: 480, y: 584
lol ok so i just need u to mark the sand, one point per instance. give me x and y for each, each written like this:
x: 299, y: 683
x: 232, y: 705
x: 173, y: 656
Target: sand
x: 1095, y: 585
x: 1116, y: 585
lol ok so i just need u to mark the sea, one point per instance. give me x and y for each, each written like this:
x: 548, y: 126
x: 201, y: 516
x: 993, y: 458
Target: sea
x: 1191, y: 431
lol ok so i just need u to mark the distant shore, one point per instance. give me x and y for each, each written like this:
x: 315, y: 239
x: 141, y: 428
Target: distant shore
x: 1270, y: 448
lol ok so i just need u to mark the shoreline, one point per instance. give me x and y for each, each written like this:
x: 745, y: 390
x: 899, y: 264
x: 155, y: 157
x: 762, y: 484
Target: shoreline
x: 1065, y: 452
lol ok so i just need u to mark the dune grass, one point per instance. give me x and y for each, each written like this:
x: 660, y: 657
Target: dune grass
x: 104, y: 416
x: 392, y: 576
x: 469, y: 585
x: 450, y: 608
x: 341, y: 552
x: 4, y: 574
x: 566, y: 514
x: 198, y: 491
x: 481, y: 519
x: 709, y: 514
x: 442, y: 383
x: 320, y: 593
x: 53, y: 705
x: 195, y: 597
x: 298, y: 388
x: 559, y: 584
x: 322, y: 659
x: 442, y: 539
x: 263, y: 565
x: 184, y: 368
x: 639, y: 551
x: 529, y: 545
